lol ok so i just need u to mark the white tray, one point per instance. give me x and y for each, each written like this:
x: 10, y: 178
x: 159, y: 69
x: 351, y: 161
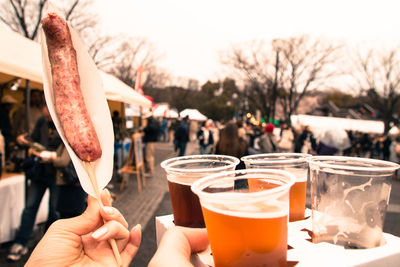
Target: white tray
x: 305, y: 253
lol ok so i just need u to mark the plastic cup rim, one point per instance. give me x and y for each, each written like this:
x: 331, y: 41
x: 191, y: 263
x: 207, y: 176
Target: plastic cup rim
x: 164, y: 164
x: 389, y: 166
x: 254, y: 158
x: 200, y: 184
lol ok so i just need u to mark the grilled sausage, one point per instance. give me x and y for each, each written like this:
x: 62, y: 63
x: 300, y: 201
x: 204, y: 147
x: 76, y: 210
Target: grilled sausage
x: 69, y: 102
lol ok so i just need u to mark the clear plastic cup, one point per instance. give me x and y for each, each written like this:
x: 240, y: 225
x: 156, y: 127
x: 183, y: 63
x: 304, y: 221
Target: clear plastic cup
x: 246, y: 215
x: 181, y: 173
x: 349, y: 198
x: 296, y: 164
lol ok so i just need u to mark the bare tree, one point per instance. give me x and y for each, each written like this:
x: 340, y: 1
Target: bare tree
x: 25, y: 16
x: 250, y: 63
x: 378, y: 75
x: 118, y: 54
x: 102, y: 49
x: 130, y: 54
x: 304, y: 65
x: 285, y: 71
x: 157, y: 77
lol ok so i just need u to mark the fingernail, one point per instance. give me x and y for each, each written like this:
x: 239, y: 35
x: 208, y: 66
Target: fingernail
x: 107, y: 192
x: 100, y: 232
x: 137, y: 227
x: 108, y: 210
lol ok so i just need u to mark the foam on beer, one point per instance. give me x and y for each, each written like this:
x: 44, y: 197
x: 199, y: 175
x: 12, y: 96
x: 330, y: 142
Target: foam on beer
x: 273, y: 209
x: 184, y: 179
x: 187, y: 169
x: 300, y: 174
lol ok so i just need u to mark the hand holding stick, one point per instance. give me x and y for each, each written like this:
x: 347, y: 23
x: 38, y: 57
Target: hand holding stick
x: 93, y: 180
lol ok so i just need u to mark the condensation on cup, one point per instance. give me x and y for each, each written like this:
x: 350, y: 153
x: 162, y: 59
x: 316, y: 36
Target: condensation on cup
x: 349, y: 199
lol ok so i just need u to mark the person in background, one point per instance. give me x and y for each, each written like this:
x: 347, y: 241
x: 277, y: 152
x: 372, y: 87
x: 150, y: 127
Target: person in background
x: 267, y: 141
x: 35, y: 112
x: 395, y: 153
x: 285, y: 144
x: 242, y: 130
x: 72, y: 198
x: 386, y: 147
x: 171, y: 129
x: 215, y: 132
x: 151, y: 133
x: 18, y: 121
x: 205, y: 137
x: 45, y: 134
x: 117, y: 125
x: 2, y: 153
x: 231, y: 144
x: 164, y: 130
x: 181, y: 136
x: 193, y: 129
x: 305, y: 142
x: 6, y: 105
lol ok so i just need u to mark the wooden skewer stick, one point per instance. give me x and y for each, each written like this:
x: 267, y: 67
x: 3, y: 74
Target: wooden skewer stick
x: 95, y: 186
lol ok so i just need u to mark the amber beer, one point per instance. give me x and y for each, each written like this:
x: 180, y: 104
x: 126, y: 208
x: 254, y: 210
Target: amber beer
x: 185, y: 205
x: 294, y: 163
x: 297, y: 200
x: 246, y: 226
x: 243, y: 241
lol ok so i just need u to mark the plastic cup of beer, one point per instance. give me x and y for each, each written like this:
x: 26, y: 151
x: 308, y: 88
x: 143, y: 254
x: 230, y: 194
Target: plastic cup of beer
x: 349, y: 198
x: 246, y: 214
x: 294, y: 163
x: 181, y: 173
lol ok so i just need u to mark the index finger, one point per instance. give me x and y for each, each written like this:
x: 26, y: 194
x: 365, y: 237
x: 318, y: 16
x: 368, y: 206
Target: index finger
x: 108, y: 212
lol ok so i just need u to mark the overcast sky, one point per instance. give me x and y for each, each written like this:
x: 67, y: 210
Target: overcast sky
x: 190, y: 33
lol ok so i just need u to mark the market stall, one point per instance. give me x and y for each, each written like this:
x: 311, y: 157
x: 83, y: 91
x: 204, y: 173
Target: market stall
x: 319, y: 123
x: 12, y: 195
x: 20, y: 58
x: 163, y: 110
x: 193, y: 114
x: 20, y: 62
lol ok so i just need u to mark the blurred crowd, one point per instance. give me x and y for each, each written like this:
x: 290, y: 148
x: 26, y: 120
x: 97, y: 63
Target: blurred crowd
x: 238, y: 138
x: 232, y: 137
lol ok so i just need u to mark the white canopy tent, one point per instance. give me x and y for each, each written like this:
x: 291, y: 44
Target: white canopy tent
x: 193, y: 114
x: 21, y: 58
x: 163, y: 110
x: 320, y: 123
x: 119, y: 91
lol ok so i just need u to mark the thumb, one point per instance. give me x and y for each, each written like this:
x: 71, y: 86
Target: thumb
x: 87, y: 222
x: 179, y: 242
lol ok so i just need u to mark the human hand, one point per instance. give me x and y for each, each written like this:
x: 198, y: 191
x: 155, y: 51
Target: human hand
x: 82, y: 241
x: 177, y: 244
x: 47, y: 156
x: 21, y: 139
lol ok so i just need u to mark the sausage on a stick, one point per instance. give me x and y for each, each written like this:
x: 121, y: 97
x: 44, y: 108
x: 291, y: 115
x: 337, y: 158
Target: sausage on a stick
x: 69, y: 102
